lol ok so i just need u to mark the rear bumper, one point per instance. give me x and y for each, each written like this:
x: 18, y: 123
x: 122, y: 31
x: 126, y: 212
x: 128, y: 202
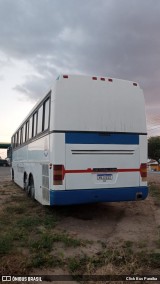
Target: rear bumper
x: 79, y: 196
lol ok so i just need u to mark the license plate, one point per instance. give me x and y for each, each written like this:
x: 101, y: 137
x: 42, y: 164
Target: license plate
x: 104, y: 177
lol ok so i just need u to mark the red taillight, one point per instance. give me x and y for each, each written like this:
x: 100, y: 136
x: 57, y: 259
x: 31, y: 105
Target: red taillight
x: 65, y: 76
x: 94, y: 78
x: 134, y: 84
x: 102, y: 79
x: 58, y: 174
x: 110, y: 80
x: 143, y: 171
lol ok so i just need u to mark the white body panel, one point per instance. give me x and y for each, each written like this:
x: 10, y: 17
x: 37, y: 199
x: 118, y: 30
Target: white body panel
x: 83, y: 104
x: 109, y: 158
x: 30, y: 159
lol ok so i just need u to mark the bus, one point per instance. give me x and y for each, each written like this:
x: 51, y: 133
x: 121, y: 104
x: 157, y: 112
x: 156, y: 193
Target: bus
x: 84, y: 142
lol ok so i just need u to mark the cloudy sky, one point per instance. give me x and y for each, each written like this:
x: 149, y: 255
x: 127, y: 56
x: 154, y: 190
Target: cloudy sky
x: 39, y: 39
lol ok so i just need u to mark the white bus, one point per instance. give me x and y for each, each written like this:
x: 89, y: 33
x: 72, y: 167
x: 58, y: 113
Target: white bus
x: 84, y: 142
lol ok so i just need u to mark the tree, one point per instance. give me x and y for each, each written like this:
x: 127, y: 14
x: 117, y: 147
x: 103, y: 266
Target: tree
x: 154, y: 148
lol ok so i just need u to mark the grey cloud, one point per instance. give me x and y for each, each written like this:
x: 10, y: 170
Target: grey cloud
x: 104, y: 37
x: 34, y: 87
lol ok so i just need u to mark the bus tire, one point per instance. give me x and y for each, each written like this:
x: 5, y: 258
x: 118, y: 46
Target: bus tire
x: 31, y: 188
x: 25, y: 182
x: 12, y: 175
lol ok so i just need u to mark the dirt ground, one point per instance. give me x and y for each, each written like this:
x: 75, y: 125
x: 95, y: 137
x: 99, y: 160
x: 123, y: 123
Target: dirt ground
x: 109, y: 223
x: 5, y: 174
x: 133, y: 221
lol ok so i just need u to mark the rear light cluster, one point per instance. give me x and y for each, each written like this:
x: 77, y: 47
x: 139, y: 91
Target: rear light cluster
x: 143, y: 171
x: 58, y: 174
x: 103, y: 79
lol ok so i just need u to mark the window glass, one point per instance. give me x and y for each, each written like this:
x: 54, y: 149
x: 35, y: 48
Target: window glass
x: 24, y: 132
x: 26, y: 137
x: 40, y: 113
x: 21, y: 135
x: 34, y: 124
x: 13, y: 141
x: 17, y: 135
x: 30, y: 128
x: 46, y: 115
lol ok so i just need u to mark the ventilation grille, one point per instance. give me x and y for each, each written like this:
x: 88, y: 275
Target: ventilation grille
x: 45, y: 170
x: 102, y: 152
x: 45, y: 182
x: 45, y: 194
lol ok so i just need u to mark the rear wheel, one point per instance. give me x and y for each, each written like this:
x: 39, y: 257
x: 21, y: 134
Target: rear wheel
x: 31, y: 188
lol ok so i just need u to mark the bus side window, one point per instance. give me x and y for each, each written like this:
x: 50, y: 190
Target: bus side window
x: 24, y: 133
x: 13, y: 141
x: 27, y: 128
x: 30, y: 128
x: 34, y: 124
x: 17, y: 136
x: 39, y: 126
x: 21, y: 135
x: 46, y: 115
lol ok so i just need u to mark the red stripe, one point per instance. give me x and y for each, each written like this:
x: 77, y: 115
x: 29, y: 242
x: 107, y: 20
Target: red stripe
x: 95, y: 172
x: 128, y: 170
x: 78, y: 171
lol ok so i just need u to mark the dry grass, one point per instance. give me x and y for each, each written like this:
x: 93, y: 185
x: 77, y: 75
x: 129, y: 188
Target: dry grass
x: 29, y: 240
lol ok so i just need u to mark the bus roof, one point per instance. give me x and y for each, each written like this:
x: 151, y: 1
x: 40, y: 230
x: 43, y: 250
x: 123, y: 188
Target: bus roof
x: 91, y: 103
x: 95, y: 103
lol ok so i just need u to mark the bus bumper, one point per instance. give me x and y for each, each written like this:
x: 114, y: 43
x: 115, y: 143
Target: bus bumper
x: 82, y: 196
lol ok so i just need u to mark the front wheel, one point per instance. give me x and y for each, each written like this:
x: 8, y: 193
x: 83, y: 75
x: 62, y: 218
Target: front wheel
x: 25, y: 182
x: 12, y: 175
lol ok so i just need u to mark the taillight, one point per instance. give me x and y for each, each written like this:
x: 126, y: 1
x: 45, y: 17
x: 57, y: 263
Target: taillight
x: 58, y: 174
x: 143, y: 171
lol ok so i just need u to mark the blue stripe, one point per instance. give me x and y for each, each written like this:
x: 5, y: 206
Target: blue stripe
x: 79, y: 196
x: 100, y: 138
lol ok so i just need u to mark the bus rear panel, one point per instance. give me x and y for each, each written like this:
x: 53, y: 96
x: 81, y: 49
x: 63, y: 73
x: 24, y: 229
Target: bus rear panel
x: 99, y: 168
x: 101, y: 141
